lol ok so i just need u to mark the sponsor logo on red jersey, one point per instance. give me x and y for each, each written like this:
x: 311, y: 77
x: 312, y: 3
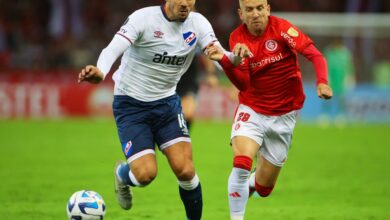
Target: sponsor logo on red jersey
x: 289, y: 39
x: 292, y: 32
x: 268, y: 60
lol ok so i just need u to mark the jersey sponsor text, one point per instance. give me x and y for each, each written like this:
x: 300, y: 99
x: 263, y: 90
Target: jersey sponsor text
x: 267, y: 60
x: 289, y: 39
x: 170, y: 60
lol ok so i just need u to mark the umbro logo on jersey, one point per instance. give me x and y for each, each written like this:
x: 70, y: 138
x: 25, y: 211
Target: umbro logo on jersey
x: 123, y: 31
x: 158, y: 34
x: 189, y: 38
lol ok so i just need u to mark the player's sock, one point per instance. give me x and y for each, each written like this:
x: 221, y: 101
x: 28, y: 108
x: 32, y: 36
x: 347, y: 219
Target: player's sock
x: 133, y: 180
x: 191, y: 195
x: 126, y: 176
x: 238, y: 186
x: 251, y: 182
x: 236, y: 217
x: 263, y: 191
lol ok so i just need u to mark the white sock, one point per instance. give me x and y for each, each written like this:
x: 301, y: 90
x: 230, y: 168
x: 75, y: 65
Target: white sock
x: 189, y: 185
x: 134, y: 180
x: 238, y: 189
x: 236, y: 217
x: 252, y: 180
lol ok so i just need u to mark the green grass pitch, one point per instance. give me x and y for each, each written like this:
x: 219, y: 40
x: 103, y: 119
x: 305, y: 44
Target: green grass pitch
x: 331, y: 174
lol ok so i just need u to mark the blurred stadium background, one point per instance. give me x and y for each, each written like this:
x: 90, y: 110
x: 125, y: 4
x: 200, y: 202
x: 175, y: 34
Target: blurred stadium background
x: 51, y: 127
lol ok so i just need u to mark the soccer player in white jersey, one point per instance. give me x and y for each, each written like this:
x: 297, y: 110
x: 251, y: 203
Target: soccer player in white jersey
x: 158, y: 45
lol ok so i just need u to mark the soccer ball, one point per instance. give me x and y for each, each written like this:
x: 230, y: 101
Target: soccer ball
x: 86, y: 205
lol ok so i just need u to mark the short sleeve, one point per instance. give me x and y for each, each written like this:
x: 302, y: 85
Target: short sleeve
x: 133, y: 27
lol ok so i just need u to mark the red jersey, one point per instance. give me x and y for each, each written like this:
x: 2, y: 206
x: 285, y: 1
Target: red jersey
x: 275, y: 84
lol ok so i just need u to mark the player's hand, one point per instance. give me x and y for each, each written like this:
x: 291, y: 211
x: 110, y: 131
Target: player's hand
x: 214, y: 53
x: 242, y: 51
x: 324, y: 91
x: 90, y: 74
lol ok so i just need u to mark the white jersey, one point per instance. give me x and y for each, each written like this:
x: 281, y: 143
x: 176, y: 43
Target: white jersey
x: 159, y: 53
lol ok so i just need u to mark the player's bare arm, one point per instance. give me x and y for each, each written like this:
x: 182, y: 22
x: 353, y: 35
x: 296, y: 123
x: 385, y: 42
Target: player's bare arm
x: 90, y: 74
x: 324, y: 91
x: 214, y: 53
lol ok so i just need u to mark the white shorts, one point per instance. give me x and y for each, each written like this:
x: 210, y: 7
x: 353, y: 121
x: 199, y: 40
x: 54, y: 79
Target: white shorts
x: 272, y: 133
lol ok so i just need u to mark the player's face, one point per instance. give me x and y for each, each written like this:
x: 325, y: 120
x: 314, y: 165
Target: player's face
x: 254, y: 13
x: 179, y: 9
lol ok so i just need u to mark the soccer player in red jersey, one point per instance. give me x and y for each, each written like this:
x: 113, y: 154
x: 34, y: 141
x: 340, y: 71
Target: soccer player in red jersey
x: 270, y: 93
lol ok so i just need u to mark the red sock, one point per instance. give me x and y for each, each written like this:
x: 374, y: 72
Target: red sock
x: 263, y: 191
x: 242, y: 162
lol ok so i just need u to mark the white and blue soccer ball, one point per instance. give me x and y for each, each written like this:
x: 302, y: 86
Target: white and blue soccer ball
x: 86, y: 205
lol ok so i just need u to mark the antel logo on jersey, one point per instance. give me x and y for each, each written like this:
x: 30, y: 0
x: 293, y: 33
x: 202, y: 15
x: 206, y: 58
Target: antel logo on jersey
x: 170, y: 60
x: 271, y: 45
x: 189, y: 38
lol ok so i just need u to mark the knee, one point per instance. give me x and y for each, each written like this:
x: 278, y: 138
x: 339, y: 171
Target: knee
x: 185, y: 173
x: 145, y: 176
x: 146, y: 179
x: 263, y: 191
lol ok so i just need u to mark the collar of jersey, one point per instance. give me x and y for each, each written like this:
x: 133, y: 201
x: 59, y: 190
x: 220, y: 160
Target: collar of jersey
x: 165, y: 14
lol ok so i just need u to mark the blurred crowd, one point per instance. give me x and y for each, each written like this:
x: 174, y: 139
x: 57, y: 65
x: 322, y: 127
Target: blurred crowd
x: 47, y: 34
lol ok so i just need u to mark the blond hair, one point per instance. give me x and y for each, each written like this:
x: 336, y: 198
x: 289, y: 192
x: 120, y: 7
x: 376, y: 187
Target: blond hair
x: 240, y: 2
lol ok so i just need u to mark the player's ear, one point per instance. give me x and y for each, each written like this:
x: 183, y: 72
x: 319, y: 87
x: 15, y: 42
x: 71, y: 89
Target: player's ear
x: 268, y: 9
x: 240, y: 14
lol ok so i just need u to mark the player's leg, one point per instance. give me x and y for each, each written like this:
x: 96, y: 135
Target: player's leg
x: 172, y: 137
x: 273, y: 152
x: 136, y: 138
x: 179, y: 156
x: 246, y: 139
x: 265, y: 177
x: 140, y: 172
x: 143, y: 171
x: 140, y: 168
x: 244, y: 149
